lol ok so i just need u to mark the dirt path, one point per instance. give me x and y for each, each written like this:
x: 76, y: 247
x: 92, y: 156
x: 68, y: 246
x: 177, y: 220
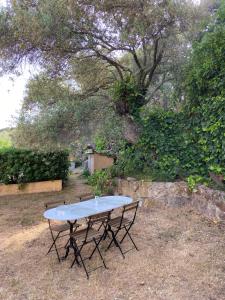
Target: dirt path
x: 182, y: 256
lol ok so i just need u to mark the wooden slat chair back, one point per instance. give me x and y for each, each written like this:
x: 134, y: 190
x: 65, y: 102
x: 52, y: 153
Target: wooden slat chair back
x: 100, y: 219
x: 131, y: 207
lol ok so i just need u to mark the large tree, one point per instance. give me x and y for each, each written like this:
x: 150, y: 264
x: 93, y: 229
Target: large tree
x: 97, y: 42
x: 52, y: 115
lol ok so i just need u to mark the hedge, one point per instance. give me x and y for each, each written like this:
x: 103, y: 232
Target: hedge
x: 22, y: 166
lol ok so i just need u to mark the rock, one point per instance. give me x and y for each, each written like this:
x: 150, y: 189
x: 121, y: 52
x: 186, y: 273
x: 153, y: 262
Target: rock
x: 131, y: 179
x: 178, y: 201
x: 209, y: 202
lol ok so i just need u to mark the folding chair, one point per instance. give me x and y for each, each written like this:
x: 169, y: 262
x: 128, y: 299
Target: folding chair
x: 117, y: 224
x: 89, y: 235
x: 57, y: 229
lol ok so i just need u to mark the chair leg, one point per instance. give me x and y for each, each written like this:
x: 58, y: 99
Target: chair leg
x: 100, y: 227
x: 66, y: 243
x: 103, y: 237
x: 96, y: 244
x: 82, y: 262
x: 127, y: 233
x: 75, y: 259
x: 115, y: 241
x: 127, y: 229
x: 113, y: 238
x: 132, y: 241
x: 54, y: 244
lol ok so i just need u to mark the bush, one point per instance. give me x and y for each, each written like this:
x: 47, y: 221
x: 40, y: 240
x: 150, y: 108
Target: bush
x: 22, y: 166
x: 102, y: 182
x: 86, y: 173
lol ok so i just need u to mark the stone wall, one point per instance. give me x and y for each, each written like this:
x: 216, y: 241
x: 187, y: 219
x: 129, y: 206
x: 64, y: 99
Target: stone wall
x: 209, y: 202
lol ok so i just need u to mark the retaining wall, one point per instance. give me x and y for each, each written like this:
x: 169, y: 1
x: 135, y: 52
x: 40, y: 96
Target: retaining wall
x: 209, y: 202
x: 30, y: 188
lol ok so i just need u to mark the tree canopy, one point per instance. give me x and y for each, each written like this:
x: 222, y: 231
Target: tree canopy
x: 64, y: 34
x: 138, y: 48
x: 206, y: 70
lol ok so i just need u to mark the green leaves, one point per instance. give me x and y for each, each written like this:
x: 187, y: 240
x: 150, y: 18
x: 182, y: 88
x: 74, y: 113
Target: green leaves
x: 102, y: 182
x: 21, y: 166
x: 127, y: 96
x: 206, y: 73
x: 194, y: 180
x: 177, y: 145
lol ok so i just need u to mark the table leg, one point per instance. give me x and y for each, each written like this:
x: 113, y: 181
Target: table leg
x: 71, y: 244
x: 113, y: 237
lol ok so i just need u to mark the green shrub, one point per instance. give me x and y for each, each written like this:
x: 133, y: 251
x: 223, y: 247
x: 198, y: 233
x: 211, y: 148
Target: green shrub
x: 100, y: 143
x: 86, y: 173
x: 194, y: 180
x: 102, y: 182
x: 22, y: 166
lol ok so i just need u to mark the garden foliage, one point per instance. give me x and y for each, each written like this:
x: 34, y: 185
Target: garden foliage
x: 102, y: 182
x: 22, y: 166
x: 177, y: 145
x: 206, y: 71
x: 189, y: 143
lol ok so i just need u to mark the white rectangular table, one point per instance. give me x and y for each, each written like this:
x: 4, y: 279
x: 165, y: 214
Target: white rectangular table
x: 73, y: 212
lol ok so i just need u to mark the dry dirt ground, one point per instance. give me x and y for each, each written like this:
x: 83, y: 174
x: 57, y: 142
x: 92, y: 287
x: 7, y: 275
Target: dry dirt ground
x: 182, y: 256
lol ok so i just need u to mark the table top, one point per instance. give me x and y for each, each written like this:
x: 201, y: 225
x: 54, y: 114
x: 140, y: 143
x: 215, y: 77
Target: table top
x: 87, y: 208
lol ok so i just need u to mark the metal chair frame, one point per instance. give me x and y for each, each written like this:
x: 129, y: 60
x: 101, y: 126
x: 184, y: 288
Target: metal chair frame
x: 59, y: 233
x: 95, y: 238
x: 123, y: 224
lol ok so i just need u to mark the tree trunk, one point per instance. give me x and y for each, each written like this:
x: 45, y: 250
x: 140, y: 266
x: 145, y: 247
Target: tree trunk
x: 131, y: 130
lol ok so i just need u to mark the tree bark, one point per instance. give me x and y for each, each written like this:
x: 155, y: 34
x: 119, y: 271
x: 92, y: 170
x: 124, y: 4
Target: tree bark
x: 131, y: 130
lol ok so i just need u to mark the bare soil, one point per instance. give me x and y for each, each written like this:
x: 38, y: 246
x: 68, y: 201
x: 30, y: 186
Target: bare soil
x: 181, y: 256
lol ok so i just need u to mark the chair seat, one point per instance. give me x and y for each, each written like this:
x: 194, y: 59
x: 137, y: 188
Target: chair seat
x: 81, y: 234
x: 62, y: 227
x: 115, y: 222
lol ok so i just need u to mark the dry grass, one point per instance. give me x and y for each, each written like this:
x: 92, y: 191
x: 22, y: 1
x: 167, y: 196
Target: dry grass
x: 182, y: 256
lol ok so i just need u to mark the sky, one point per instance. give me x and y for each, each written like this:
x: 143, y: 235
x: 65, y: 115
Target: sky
x: 12, y: 90
x: 12, y: 93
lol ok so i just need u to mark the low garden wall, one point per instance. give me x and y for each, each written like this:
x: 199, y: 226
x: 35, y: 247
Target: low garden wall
x: 30, y: 188
x: 24, y: 171
x: 209, y: 202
